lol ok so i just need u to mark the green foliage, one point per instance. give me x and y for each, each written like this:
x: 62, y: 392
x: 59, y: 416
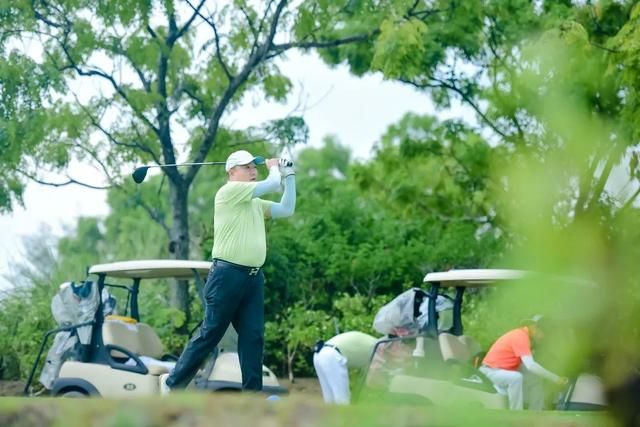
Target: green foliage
x: 295, y: 330
x: 25, y: 313
x: 356, y: 241
x: 531, y: 184
x: 399, y: 49
x: 152, y: 78
x: 162, y: 318
x: 276, y: 87
x: 231, y: 409
x: 22, y: 121
x: 345, y: 253
x: 356, y: 312
x: 293, y: 334
x: 288, y: 132
x: 504, y: 59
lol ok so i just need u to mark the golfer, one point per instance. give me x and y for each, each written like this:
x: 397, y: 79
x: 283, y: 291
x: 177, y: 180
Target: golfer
x: 234, y: 292
x: 509, y: 364
x: 333, y: 359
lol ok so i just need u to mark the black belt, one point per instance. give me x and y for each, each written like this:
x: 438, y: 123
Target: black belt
x: 320, y: 343
x: 252, y: 271
x: 333, y: 346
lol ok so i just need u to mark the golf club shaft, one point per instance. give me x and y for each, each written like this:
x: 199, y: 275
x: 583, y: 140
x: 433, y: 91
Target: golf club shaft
x: 187, y: 164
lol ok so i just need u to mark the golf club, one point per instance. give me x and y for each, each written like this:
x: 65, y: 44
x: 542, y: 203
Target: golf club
x: 140, y: 173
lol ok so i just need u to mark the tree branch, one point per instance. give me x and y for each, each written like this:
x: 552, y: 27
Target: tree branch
x: 42, y: 18
x: 219, y: 53
x: 155, y: 157
x: 605, y: 48
x: 62, y: 184
x: 151, y: 32
x: 280, y: 48
x: 463, y: 95
x: 602, y: 179
x: 143, y: 79
x: 583, y: 184
x: 96, y: 123
x: 179, y: 33
x: 95, y: 158
x: 234, y: 85
x: 492, y: 43
x: 163, y: 115
x: 155, y: 215
x: 261, y: 26
x: 197, y: 99
x: 96, y: 72
x: 254, y: 31
x: 93, y: 72
x: 216, y: 38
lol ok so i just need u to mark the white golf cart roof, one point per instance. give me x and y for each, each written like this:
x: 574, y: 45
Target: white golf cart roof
x: 473, y: 278
x: 153, y: 269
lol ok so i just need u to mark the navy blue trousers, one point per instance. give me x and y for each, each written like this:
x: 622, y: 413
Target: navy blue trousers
x: 233, y: 295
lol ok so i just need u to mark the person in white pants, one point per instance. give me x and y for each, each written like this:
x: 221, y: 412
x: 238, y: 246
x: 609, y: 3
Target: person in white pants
x: 509, y: 364
x: 333, y: 359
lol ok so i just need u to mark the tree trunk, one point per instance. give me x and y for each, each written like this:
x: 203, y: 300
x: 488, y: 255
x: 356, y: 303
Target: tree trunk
x: 179, y: 249
x: 290, y: 356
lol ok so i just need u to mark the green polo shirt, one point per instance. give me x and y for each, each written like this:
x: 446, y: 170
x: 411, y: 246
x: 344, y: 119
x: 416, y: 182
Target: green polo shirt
x: 355, y: 346
x: 238, y: 225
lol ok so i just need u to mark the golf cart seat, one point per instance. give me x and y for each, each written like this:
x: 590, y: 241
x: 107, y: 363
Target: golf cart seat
x: 473, y: 346
x: 149, y: 341
x: 587, y: 393
x: 458, y: 348
x: 138, y: 338
x: 463, y: 352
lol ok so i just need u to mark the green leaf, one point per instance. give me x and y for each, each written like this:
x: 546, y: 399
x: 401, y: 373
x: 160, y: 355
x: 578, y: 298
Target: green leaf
x: 400, y: 48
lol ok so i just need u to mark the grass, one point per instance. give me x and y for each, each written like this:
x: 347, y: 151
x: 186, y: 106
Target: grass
x: 196, y: 410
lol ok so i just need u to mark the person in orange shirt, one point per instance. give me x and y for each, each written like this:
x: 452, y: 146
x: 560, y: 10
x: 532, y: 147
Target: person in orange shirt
x: 509, y: 364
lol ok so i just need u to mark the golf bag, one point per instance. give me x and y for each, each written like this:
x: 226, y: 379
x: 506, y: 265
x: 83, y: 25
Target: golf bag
x: 75, y: 303
x: 408, y: 311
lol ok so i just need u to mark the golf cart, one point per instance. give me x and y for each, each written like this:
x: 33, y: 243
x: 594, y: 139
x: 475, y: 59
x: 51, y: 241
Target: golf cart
x: 97, y: 352
x: 440, y: 366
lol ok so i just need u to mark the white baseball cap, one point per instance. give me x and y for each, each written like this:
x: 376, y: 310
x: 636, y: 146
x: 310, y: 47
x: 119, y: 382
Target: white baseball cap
x: 535, y: 319
x: 242, y: 157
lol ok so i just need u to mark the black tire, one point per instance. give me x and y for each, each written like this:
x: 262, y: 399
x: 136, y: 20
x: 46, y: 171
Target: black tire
x: 74, y: 394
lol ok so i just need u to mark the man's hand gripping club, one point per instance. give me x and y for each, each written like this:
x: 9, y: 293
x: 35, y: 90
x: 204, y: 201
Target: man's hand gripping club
x: 286, y: 167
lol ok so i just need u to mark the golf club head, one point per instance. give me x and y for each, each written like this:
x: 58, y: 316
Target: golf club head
x: 139, y: 174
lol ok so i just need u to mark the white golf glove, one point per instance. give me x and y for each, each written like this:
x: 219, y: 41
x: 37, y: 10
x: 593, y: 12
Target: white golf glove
x: 286, y: 167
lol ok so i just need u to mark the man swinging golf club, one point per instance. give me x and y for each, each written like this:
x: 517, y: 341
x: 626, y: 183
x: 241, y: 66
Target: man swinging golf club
x: 234, y: 290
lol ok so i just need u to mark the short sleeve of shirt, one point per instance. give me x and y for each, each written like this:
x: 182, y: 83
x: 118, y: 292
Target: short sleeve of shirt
x: 521, y: 345
x: 266, y: 207
x: 507, y: 351
x: 236, y: 192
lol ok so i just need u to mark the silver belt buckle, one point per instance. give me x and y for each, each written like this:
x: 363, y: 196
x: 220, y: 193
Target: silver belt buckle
x: 254, y: 271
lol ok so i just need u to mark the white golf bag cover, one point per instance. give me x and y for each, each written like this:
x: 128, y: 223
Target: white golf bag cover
x: 72, y: 305
x: 399, y: 312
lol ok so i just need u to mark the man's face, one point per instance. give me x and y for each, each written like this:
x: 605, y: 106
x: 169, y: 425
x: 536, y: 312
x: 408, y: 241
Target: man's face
x: 536, y: 333
x: 245, y: 173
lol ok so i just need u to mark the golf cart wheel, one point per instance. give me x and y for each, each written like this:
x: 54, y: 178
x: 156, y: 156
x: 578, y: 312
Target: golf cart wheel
x: 73, y: 394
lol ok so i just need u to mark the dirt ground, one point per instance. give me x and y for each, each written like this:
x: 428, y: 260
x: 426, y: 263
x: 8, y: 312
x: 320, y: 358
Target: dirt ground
x: 11, y: 388
x: 300, y: 386
x: 307, y: 386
